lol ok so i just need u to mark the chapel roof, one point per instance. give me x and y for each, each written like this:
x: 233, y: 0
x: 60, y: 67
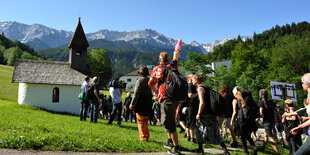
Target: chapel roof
x: 46, y: 72
x: 79, y: 39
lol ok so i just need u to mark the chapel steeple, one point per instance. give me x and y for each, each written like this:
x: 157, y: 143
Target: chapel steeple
x: 78, y: 50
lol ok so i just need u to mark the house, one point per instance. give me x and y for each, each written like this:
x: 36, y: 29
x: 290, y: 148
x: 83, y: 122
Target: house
x: 226, y: 64
x: 132, y: 77
x: 53, y: 85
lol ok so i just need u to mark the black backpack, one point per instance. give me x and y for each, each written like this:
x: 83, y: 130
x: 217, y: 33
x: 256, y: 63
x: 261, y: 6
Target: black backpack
x: 177, y: 84
x: 250, y: 111
x: 217, y: 102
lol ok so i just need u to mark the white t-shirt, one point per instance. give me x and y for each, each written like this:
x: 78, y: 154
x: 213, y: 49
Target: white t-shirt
x: 85, y: 86
x: 115, y: 95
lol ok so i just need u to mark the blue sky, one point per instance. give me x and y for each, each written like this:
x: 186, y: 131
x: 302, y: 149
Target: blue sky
x: 200, y: 20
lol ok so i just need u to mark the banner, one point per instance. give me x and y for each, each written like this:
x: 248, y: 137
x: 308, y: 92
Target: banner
x: 282, y: 91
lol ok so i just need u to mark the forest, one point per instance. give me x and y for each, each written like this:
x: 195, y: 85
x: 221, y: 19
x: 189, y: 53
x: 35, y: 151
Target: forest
x: 280, y: 54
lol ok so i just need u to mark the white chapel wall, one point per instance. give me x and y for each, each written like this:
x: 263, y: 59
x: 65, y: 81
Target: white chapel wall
x: 41, y: 95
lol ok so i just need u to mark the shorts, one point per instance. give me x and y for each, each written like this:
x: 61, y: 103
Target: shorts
x: 168, y: 110
x: 181, y: 117
x: 269, y: 129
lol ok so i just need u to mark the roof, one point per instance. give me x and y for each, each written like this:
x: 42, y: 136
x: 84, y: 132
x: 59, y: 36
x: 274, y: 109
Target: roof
x: 79, y: 39
x: 46, y: 72
x: 135, y: 73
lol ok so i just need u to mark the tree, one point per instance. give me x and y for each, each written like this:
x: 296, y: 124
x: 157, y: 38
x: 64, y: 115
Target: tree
x: 26, y: 55
x: 12, y: 54
x: 2, y: 50
x: 220, y: 77
x: 251, y: 79
x: 242, y: 56
x: 197, y: 63
x: 99, y: 60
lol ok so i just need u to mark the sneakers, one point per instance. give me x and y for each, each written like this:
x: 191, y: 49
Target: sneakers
x: 193, y: 140
x: 199, y: 150
x: 226, y: 152
x: 234, y: 144
x: 169, y: 144
x: 189, y: 138
x: 175, y: 150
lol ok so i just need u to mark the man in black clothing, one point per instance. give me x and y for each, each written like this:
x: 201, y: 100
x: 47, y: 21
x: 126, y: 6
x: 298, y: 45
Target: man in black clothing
x: 95, y: 100
x: 193, y: 106
x: 267, y: 108
x: 128, y: 113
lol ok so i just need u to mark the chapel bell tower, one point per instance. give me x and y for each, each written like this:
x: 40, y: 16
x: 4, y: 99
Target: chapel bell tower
x: 78, y: 50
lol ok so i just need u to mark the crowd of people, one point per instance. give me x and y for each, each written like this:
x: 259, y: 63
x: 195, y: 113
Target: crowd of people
x: 194, y: 114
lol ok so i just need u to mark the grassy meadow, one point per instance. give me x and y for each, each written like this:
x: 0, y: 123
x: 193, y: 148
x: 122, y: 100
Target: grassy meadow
x: 8, y: 90
x: 26, y: 127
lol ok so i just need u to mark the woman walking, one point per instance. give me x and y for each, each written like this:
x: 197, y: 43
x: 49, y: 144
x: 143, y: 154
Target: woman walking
x: 245, y: 126
x: 228, y: 113
x: 207, y: 128
x: 142, y: 103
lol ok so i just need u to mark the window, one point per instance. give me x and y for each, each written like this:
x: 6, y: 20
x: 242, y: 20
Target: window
x: 128, y: 80
x: 56, y: 94
x: 78, y: 53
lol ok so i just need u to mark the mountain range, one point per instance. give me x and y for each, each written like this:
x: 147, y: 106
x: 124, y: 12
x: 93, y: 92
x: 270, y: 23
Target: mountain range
x: 41, y: 37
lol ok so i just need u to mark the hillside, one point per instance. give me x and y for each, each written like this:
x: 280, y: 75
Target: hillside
x: 280, y: 54
x: 10, y: 50
x: 8, y: 89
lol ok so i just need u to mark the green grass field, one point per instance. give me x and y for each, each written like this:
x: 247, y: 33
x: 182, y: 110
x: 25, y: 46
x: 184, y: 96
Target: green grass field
x: 26, y: 127
x: 8, y: 90
x: 29, y: 127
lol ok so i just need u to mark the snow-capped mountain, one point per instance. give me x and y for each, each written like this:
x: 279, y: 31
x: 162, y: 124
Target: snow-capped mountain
x: 148, y: 35
x: 209, y: 46
x: 30, y: 34
x: 41, y: 37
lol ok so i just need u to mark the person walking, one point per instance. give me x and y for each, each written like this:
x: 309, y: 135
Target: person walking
x: 267, y: 109
x: 168, y: 107
x: 207, y: 127
x: 291, y: 122
x: 192, y: 108
x: 305, y: 147
x: 116, y: 96
x: 95, y: 100
x: 302, y: 116
x: 228, y: 98
x: 245, y: 126
x: 142, y: 103
x: 84, y: 101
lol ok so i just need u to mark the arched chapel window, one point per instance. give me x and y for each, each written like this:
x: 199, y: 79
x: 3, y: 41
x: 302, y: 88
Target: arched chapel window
x: 56, y: 94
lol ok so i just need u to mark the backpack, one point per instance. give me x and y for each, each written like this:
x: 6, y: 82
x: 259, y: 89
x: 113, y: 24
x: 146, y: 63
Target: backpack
x: 217, y: 102
x: 250, y: 110
x: 82, y: 95
x: 177, y: 84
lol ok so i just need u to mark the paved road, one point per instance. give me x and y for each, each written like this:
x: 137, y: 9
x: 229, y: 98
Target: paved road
x: 206, y: 150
